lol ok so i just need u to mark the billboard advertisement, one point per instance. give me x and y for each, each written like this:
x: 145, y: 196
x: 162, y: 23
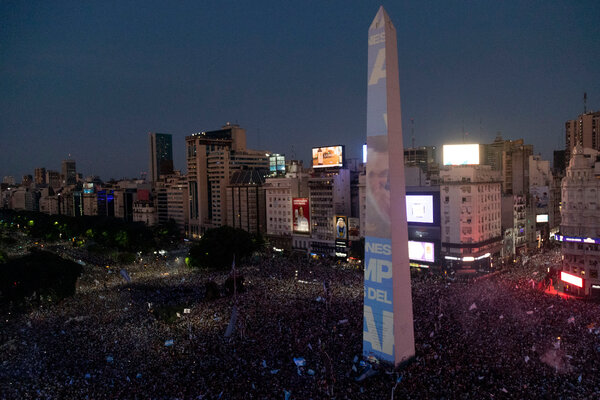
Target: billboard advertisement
x: 330, y: 156
x: 353, y: 229
x: 572, y: 279
x: 341, y: 227
x: 541, y: 218
x: 419, y: 208
x: 301, y: 213
x: 461, y: 154
x: 540, y: 196
x: 421, y: 251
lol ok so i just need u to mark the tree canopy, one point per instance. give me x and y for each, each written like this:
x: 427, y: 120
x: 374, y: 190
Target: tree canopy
x: 218, y: 246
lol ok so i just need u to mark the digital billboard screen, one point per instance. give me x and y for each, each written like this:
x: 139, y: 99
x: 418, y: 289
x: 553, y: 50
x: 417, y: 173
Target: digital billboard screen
x: 419, y: 208
x: 541, y: 218
x: 461, y: 154
x: 301, y: 213
x: 341, y: 227
x: 421, y: 251
x: 572, y: 279
x: 330, y: 156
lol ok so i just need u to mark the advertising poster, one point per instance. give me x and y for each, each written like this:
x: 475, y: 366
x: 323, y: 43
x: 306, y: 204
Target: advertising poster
x: 353, y: 229
x: 329, y: 156
x: 301, y: 215
x: 540, y: 195
x: 341, y: 227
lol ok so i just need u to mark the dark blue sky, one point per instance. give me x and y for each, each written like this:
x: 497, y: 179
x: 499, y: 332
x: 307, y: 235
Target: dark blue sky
x: 91, y: 79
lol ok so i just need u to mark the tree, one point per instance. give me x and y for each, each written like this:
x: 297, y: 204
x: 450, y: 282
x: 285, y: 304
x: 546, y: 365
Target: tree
x: 217, y: 247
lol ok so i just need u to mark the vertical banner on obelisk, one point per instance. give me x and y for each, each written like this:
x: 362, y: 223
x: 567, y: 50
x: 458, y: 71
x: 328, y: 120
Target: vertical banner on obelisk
x: 388, y: 327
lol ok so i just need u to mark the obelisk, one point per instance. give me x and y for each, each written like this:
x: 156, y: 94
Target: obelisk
x: 388, y: 332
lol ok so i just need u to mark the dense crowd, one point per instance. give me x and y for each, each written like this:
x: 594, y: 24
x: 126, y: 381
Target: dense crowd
x: 299, y: 336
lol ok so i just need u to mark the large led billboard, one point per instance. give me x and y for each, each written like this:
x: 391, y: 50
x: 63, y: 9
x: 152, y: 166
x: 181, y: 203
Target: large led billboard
x: 541, y: 218
x: 421, y: 251
x: 572, y: 279
x: 419, y: 208
x: 341, y: 227
x: 301, y: 213
x: 330, y: 156
x: 461, y: 154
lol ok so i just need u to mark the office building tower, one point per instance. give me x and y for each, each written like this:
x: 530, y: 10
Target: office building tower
x: 283, y: 198
x: 585, y: 131
x: 40, y: 176
x: 171, y: 199
x: 246, y: 200
x: 212, y: 158
x: 470, y: 216
x: 53, y: 179
x: 511, y: 157
x: 328, y: 199
x: 27, y: 180
x: 161, y: 155
x: 69, y: 172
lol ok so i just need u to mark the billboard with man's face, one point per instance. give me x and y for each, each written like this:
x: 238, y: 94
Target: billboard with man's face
x: 301, y: 215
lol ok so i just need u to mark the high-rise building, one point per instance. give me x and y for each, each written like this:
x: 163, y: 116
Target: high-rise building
x: 280, y: 194
x: 423, y: 157
x: 328, y: 199
x: 40, y: 176
x: 27, y: 180
x: 69, y: 172
x: 171, y: 199
x: 511, y: 157
x: 580, y: 224
x: 212, y: 158
x: 470, y: 216
x: 246, y: 201
x: 161, y: 155
x: 585, y: 131
x: 53, y: 179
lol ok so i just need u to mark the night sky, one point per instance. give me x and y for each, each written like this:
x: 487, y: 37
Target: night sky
x: 91, y: 79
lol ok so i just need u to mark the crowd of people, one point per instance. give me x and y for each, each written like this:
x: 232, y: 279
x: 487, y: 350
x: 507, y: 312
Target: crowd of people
x: 298, y: 335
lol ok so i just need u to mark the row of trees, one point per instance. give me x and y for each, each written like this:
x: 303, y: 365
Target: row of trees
x: 106, y: 232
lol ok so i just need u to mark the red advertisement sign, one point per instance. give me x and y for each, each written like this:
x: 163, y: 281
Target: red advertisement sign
x: 301, y: 215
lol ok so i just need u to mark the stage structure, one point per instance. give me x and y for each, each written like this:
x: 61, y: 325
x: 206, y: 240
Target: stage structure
x: 388, y: 332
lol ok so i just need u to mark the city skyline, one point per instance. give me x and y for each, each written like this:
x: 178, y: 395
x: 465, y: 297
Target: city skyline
x: 84, y: 80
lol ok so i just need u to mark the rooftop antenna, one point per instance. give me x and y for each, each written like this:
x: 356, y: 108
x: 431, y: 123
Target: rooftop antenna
x: 258, y: 137
x: 293, y: 153
x: 463, y: 129
x: 584, y: 102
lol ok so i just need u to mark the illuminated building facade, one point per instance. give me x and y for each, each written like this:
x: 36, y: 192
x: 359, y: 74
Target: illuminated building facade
x: 471, y: 235
x: 580, y: 225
